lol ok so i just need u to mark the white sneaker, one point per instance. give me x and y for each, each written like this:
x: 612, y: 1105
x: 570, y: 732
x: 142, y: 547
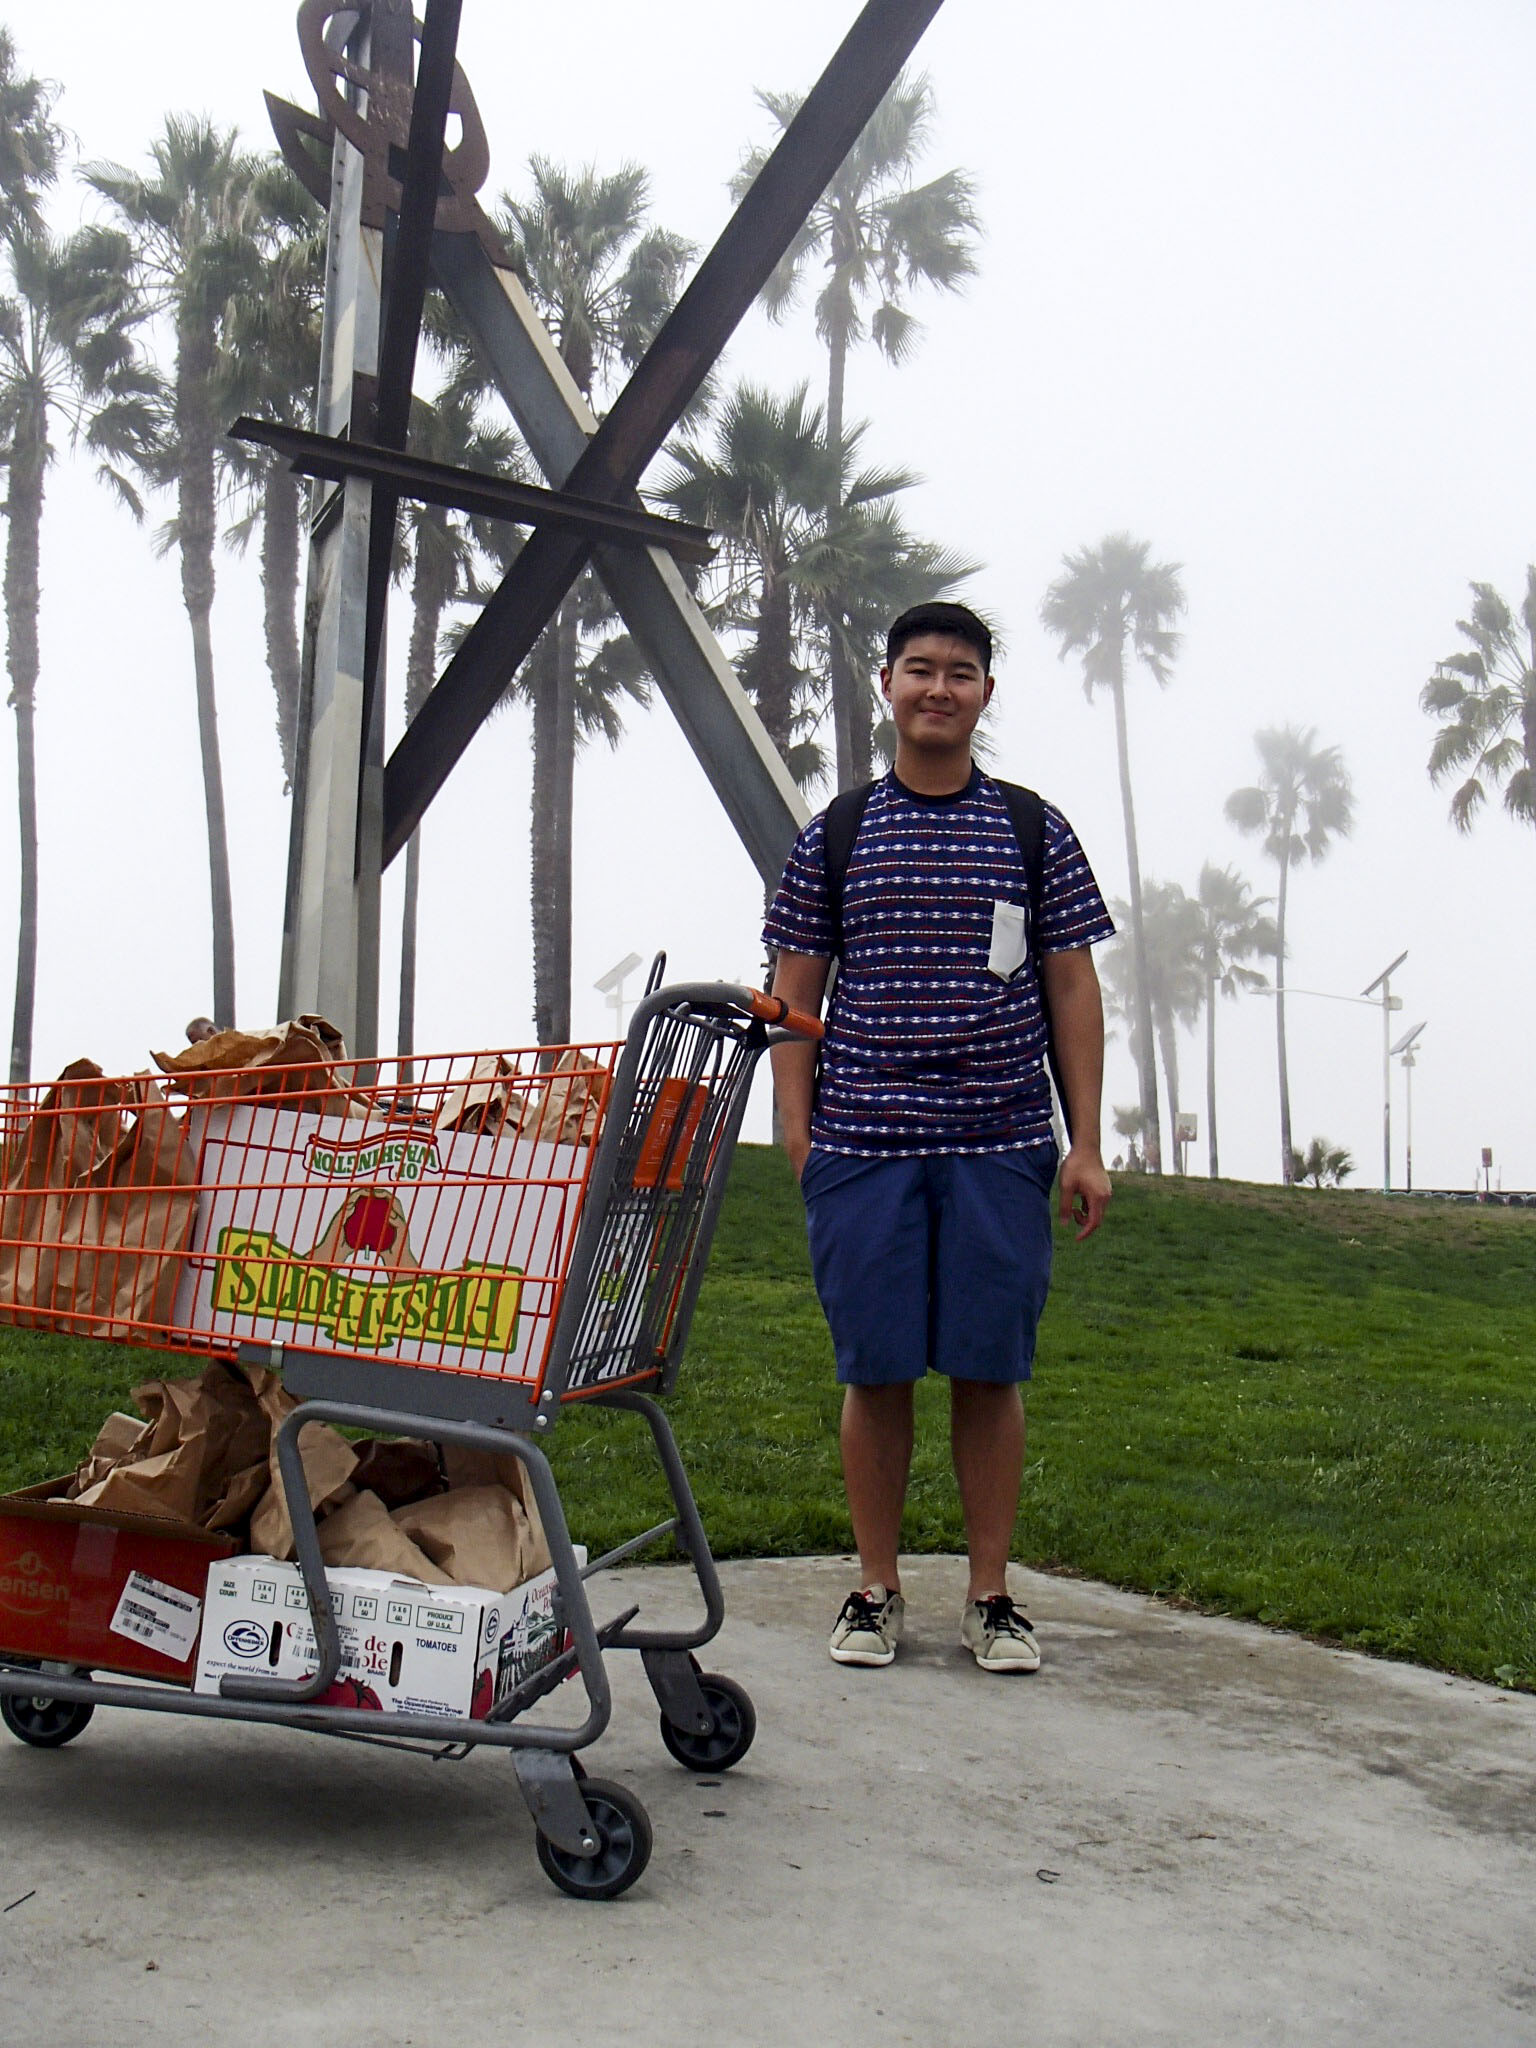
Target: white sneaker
x: 869, y: 1627
x: 998, y: 1636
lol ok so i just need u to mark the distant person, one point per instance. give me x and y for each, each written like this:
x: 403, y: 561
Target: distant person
x: 924, y: 1151
x: 201, y: 1028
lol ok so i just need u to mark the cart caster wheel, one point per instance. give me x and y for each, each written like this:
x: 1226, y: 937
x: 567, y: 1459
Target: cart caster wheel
x: 44, y: 1722
x: 728, y: 1740
x: 623, y: 1831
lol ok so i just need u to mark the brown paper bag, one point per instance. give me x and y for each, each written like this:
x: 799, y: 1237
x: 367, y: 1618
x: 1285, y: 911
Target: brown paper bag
x: 328, y: 1460
x: 477, y: 1535
x: 571, y: 1109
x: 362, y: 1534
x: 485, y: 1102
x: 97, y: 1207
x: 197, y: 1435
x: 398, y: 1471
x: 463, y: 1468
x: 301, y: 1054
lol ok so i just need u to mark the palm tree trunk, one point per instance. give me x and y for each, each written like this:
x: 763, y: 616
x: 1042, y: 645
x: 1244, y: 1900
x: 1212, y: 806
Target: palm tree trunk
x: 1210, y: 1074
x: 24, y: 517
x: 544, y: 691
x: 1151, y: 1132
x: 851, y: 730
x: 1286, y: 1168
x: 1168, y: 1041
x: 769, y: 669
x: 279, y: 590
x: 197, y: 523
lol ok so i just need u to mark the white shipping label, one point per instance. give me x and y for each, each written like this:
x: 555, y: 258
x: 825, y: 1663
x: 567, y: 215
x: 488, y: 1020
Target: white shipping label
x: 1010, y: 940
x: 149, y: 1611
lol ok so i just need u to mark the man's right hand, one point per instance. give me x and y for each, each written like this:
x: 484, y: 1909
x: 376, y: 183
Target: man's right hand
x: 798, y: 1150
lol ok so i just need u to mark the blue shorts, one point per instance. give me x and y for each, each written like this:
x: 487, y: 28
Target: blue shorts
x: 936, y: 1264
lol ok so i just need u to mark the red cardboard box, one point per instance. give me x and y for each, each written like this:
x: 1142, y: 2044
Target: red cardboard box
x: 106, y: 1592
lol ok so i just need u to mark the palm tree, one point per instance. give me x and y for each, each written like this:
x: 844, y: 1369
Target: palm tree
x: 192, y: 219
x: 269, y: 368
x: 1130, y: 1124
x: 68, y: 358
x: 875, y: 235
x: 603, y: 282
x: 31, y: 143
x: 1323, y: 1163
x: 1109, y: 599
x: 440, y: 546
x: 1174, y: 978
x: 1485, y: 698
x: 1233, y: 928
x: 797, y: 521
x: 1301, y: 803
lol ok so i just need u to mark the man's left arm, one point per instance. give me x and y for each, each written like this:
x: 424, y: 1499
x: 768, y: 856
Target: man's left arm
x: 1070, y: 985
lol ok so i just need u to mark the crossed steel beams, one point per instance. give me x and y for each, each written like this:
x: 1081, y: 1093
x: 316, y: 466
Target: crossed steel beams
x: 610, y: 466
x: 474, y: 490
x: 599, y: 465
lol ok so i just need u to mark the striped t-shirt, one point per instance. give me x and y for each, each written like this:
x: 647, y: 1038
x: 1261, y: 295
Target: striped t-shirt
x: 926, y: 1049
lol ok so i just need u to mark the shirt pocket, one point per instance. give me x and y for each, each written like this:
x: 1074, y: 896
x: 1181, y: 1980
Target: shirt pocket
x: 1010, y: 939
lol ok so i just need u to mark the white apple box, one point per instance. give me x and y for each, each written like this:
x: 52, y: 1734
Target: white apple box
x: 357, y: 1235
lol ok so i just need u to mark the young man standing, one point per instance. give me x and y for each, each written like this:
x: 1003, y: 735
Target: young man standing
x: 924, y: 1149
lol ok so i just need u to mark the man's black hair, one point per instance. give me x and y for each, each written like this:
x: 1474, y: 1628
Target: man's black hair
x: 956, y: 620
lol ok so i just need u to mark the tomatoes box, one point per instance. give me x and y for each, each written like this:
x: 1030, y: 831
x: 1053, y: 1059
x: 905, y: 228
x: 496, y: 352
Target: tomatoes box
x: 406, y: 1648
x: 100, y: 1590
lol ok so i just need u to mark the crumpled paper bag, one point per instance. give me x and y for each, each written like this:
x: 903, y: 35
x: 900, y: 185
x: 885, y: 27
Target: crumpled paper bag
x: 300, y: 1053
x: 97, y: 1201
x: 485, y: 1102
x: 476, y: 1535
x: 193, y: 1457
x: 399, y: 1470
x: 465, y: 1468
x: 362, y: 1534
x: 570, y: 1109
x: 329, y: 1462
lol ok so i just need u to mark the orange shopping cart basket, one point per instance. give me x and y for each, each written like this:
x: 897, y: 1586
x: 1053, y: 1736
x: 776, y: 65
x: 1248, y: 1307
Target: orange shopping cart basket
x: 452, y: 1248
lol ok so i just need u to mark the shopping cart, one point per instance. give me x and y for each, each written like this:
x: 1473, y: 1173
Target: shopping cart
x: 479, y: 1257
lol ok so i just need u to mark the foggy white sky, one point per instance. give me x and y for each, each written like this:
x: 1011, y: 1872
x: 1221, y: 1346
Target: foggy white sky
x: 1256, y: 285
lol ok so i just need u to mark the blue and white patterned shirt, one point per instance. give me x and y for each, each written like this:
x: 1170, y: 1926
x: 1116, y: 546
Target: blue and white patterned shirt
x: 927, y: 1050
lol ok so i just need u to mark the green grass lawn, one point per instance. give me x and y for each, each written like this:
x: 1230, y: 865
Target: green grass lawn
x: 1312, y: 1408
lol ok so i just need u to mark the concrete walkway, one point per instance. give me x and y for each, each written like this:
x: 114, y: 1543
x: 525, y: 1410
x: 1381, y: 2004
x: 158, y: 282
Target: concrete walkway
x: 1182, y: 1831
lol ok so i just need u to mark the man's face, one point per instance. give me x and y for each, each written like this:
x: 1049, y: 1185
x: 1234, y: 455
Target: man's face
x: 936, y: 691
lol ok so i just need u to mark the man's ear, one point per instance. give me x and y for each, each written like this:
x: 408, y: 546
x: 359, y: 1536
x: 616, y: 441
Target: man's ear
x: 885, y: 684
x: 986, y: 695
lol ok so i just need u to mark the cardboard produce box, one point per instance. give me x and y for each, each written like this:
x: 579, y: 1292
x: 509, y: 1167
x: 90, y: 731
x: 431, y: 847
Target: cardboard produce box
x: 337, y: 1234
x: 99, y: 1589
x: 406, y: 1648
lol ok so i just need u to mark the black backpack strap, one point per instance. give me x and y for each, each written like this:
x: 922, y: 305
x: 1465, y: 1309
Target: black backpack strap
x: 840, y: 828
x: 1027, y: 811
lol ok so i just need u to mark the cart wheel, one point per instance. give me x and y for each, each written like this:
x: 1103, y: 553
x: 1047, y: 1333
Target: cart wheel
x: 623, y: 1831
x: 729, y: 1739
x: 45, y: 1723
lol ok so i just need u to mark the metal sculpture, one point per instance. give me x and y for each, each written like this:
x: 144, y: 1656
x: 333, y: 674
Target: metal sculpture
x: 403, y: 213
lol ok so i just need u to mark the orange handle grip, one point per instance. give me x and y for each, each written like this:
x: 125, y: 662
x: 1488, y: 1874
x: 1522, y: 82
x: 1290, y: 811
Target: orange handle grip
x: 774, y: 1010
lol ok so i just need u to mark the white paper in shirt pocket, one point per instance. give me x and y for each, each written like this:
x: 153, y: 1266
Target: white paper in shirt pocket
x: 1010, y: 940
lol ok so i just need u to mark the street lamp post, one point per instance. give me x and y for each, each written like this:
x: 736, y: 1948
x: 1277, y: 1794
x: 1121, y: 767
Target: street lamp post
x: 1389, y: 1003
x: 1404, y: 1050
x: 611, y: 985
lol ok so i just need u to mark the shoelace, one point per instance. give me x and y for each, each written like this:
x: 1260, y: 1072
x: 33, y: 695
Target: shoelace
x: 1002, y: 1617
x: 862, y: 1611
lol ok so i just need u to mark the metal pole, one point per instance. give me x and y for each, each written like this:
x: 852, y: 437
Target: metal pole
x: 1386, y: 1085
x: 1408, y: 1066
